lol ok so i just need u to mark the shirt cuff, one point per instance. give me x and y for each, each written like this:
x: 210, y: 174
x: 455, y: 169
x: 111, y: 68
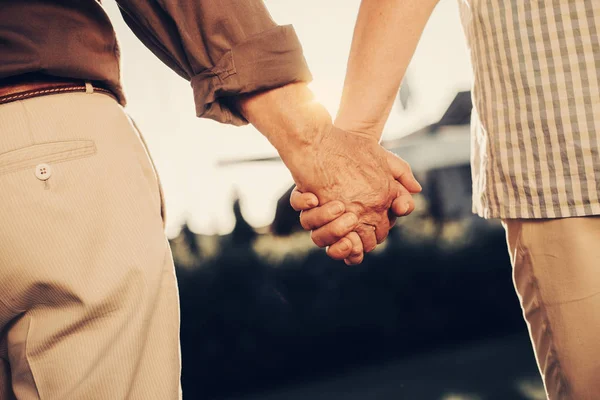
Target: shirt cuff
x: 265, y: 61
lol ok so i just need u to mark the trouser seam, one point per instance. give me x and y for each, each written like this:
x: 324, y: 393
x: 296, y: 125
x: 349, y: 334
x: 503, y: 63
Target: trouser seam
x: 29, y: 366
x: 163, y: 211
x: 563, y: 383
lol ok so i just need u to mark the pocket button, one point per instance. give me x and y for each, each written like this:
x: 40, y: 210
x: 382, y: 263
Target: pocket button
x: 43, y: 172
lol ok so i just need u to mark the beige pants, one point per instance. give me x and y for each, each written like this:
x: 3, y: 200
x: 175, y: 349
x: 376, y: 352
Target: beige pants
x: 557, y: 276
x: 88, y: 296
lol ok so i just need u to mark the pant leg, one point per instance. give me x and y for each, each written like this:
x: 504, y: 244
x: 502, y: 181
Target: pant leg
x: 5, y: 390
x: 5, y: 386
x: 557, y: 277
x: 85, y: 267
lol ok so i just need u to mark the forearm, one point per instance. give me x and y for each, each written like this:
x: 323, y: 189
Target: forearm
x: 385, y: 38
x: 225, y: 48
x: 289, y: 117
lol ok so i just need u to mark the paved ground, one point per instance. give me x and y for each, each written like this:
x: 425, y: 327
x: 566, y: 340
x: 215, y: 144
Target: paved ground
x: 498, y: 369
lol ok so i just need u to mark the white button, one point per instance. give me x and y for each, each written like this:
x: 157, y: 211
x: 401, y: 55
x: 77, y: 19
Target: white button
x: 43, y: 171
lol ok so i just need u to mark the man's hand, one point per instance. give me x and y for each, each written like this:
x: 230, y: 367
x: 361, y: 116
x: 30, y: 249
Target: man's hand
x: 328, y: 218
x: 356, y: 170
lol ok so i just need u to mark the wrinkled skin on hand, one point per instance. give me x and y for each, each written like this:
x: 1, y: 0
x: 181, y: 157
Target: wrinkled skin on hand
x: 354, y: 169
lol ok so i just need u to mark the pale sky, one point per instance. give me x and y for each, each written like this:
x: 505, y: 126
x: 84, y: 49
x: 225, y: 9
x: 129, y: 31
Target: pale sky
x: 187, y: 149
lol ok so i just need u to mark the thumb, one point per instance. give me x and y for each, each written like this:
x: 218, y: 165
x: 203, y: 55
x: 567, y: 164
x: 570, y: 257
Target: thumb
x: 303, y: 201
x: 402, y: 173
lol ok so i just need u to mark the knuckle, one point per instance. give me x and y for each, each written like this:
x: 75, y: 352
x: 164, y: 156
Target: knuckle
x: 335, y: 208
x: 345, y: 243
x: 316, y: 238
x: 330, y: 214
x: 351, y: 219
x: 381, y: 198
x: 333, y: 252
x: 304, y: 223
x: 356, y: 251
x: 340, y: 229
x: 364, y: 230
x: 405, y: 164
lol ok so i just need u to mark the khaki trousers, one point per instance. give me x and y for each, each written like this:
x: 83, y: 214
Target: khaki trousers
x: 556, y: 266
x: 88, y: 296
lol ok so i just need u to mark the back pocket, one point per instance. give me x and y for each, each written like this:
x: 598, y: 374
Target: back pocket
x: 50, y: 152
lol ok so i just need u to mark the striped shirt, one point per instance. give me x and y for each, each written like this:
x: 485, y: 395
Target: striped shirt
x: 536, y: 107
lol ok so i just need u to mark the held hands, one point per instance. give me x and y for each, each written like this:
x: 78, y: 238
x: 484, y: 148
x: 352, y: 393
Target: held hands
x: 361, y: 187
x: 351, y: 168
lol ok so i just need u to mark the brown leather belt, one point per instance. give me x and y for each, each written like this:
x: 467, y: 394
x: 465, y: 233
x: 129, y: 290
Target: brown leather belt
x: 13, y: 90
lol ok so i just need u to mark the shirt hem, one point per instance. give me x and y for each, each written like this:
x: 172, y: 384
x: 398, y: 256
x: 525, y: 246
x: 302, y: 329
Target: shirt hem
x: 517, y: 213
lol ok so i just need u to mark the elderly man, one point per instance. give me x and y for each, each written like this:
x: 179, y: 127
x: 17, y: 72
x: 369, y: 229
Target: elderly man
x: 88, y: 297
x: 535, y: 161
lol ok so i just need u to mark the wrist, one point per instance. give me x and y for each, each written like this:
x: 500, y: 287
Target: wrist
x: 368, y: 130
x: 289, y: 118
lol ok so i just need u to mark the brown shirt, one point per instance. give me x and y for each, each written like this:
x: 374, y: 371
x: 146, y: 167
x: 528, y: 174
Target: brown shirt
x: 223, y: 47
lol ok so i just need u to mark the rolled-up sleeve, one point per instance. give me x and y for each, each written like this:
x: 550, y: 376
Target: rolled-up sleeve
x: 223, y: 47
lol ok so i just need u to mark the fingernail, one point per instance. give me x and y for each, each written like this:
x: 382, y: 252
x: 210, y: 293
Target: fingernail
x: 344, y: 246
x: 419, y: 185
x: 338, y: 209
x: 312, y: 202
x: 406, y: 208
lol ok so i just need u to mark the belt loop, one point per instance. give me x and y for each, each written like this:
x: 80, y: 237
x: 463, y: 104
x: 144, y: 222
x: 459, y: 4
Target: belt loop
x: 89, y: 89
